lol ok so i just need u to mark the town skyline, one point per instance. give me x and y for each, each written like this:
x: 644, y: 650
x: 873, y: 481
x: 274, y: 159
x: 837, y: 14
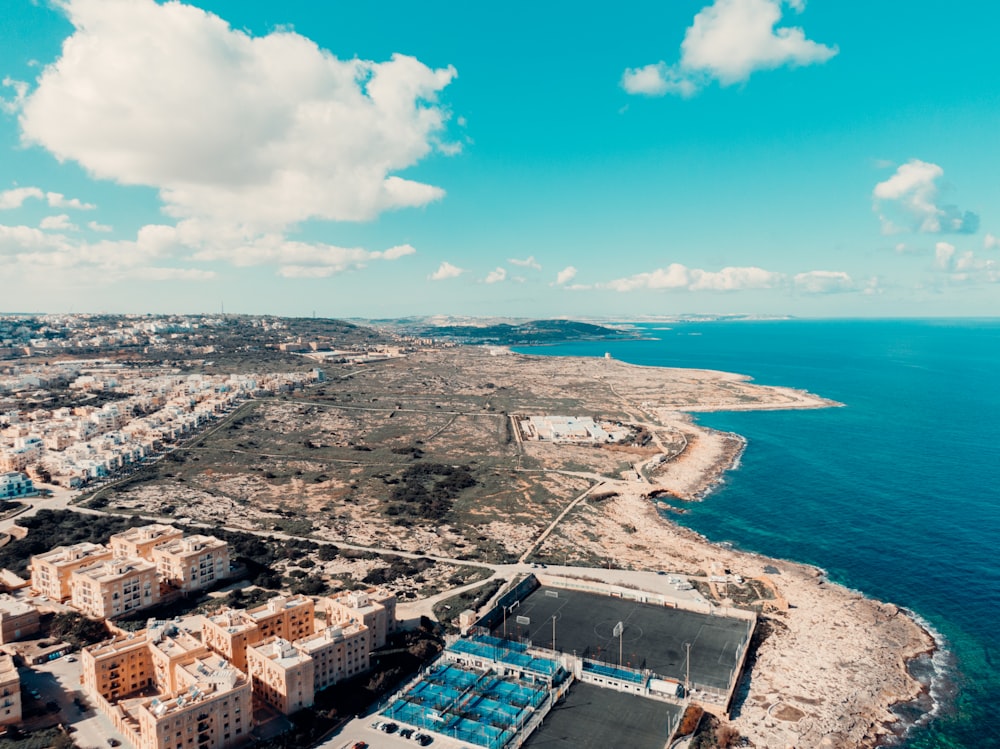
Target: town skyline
x: 762, y: 157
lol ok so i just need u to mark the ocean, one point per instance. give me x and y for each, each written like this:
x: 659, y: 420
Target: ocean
x: 897, y: 494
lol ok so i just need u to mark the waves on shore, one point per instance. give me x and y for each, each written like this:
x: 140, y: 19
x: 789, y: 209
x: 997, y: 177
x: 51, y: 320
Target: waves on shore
x: 936, y: 672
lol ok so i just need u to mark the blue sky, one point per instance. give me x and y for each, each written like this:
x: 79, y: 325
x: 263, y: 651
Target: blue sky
x: 530, y: 159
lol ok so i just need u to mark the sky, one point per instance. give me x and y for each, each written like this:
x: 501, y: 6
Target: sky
x: 768, y: 157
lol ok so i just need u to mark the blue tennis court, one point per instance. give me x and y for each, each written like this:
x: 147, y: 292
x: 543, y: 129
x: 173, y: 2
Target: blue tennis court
x: 470, y: 705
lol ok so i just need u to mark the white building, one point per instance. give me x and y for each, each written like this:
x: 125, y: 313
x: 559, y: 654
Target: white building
x: 15, y: 484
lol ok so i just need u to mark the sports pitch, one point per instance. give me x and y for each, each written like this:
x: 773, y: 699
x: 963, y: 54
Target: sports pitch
x: 653, y: 637
x: 595, y: 717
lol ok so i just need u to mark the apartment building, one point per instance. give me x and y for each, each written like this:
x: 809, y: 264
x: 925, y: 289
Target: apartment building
x: 202, y: 701
x: 10, y: 691
x: 231, y: 631
x: 282, y: 675
x: 170, y: 647
x: 119, y: 667
x: 376, y: 609
x: 15, y: 484
x: 337, y: 652
x: 17, y: 619
x: 139, y: 542
x: 192, y: 563
x: 115, y: 587
x: 50, y: 572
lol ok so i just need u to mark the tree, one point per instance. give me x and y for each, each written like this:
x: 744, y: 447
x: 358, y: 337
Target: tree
x: 726, y: 736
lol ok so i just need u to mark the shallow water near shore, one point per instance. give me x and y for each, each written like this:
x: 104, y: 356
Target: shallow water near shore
x: 896, y: 495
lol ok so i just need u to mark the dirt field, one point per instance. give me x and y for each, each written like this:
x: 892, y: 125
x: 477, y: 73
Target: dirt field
x: 421, y: 454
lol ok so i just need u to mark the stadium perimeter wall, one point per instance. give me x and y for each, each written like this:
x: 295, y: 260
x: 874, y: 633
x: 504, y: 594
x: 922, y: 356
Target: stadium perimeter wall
x: 538, y: 579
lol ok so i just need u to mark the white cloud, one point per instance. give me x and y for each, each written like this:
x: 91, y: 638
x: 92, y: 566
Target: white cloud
x: 528, y: 262
x: 727, y: 42
x: 20, y: 90
x: 264, y: 131
x: 394, y: 253
x: 45, y: 255
x: 173, y: 274
x: 566, y: 275
x: 911, y: 196
x: 445, y: 270
x: 991, y: 242
x: 676, y: 277
x: 14, y: 198
x: 964, y: 267
x: 657, y: 79
x: 187, y: 242
x: 294, y: 259
x: 57, y: 223
x: 58, y: 200
x: 496, y: 275
x: 943, y: 254
x: 734, y: 279
x: 95, y: 226
x: 824, y: 282
x: 244, y: 137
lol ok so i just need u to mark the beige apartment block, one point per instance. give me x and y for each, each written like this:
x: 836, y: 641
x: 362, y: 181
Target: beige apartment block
x: 282, y: 675
x: 192, y: 563
x: 119, y: 667
x: 17, y: 619
x: 139, y: 542
x: 50, y: 572
x: 115, y: 587
x: 231, y: 631
x: 171, y: 647
x: 290, y: 617
x: 215, y: 711
x: 10, y: 691
x: 202, y: 702
x: 376, y: 609
x: 338, y: 652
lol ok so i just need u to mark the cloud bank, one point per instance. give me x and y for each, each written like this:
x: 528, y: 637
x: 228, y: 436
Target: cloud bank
x: 244, y: 138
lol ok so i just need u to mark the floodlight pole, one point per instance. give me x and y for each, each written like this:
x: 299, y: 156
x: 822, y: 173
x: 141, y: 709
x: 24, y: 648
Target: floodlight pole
x: 621, y: 637
x: 687, y: 671
x: 553, y: 633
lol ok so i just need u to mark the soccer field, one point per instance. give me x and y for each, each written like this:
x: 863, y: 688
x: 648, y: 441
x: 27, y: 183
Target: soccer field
x: 653, y: 637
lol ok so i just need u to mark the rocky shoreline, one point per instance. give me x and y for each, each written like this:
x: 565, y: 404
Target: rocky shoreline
x: 832, y: 662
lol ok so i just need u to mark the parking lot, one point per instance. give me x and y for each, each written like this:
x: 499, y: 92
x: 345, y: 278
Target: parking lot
x: 58, y: 681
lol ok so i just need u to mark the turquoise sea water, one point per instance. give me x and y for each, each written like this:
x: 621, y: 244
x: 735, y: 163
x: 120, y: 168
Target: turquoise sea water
x: 897, y: 494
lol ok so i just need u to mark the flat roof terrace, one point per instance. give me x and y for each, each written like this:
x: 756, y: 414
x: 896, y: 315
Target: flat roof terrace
x: 654, y: 637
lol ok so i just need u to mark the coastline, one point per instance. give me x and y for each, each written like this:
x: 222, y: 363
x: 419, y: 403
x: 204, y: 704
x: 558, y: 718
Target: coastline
x: 834, y: 662
x: 836, y: 659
